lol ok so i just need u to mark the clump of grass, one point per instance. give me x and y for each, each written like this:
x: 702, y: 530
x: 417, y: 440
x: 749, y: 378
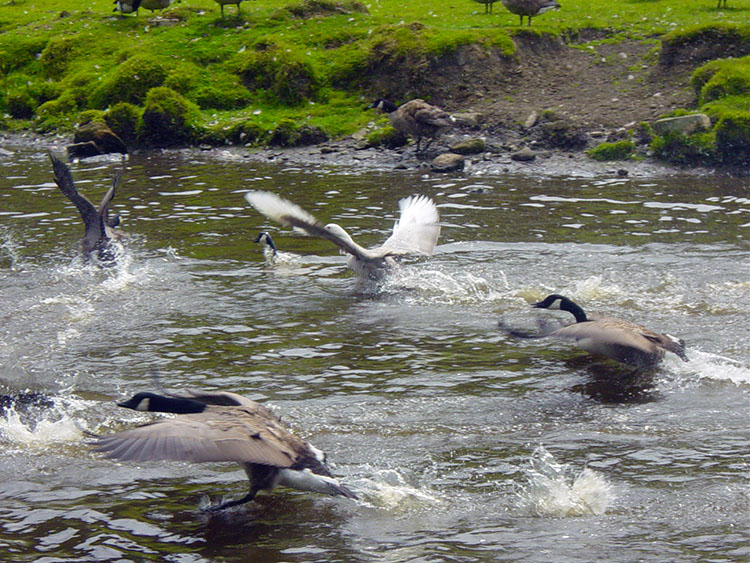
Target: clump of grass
x: 168, y: 118
x: 130, y: 81
x: 617, y: 150
x: 277, y: 71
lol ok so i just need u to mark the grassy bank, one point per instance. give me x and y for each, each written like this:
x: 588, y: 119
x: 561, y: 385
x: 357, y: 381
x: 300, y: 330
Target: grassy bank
x: 300, y: 72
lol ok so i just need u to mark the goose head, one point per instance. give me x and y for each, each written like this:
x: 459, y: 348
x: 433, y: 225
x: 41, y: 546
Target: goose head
x: 559, y: 302
x: 383, y: 105
x: 265, y: 238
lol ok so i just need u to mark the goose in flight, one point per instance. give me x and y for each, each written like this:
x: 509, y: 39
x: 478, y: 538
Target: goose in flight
x: 223, y: 426
x: 100, y: 227
x: 415, y: 233
x: 623, y: 341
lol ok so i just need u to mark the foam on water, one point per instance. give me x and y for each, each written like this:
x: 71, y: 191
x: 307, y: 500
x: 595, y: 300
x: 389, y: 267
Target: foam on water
x: 436, y: 286
x: 41, y: 426
x: 557, y: 490
x: 711, y: 366
x: 388, y: 489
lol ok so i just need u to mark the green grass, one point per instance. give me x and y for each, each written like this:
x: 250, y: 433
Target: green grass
x: 301, y: 60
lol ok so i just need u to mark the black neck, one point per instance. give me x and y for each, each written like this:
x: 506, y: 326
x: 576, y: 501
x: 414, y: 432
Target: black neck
x: 158, y: 403
x: 575, y: 309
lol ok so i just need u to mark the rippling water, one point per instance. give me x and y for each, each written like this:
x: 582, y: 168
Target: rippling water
x: 464, y: 444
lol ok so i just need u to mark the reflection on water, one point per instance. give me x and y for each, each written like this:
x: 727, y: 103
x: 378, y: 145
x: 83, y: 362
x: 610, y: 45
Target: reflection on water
x: 463, y: 443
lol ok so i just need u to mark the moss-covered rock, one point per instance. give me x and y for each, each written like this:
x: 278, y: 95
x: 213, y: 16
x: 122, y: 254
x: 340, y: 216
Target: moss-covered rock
x: 474, y: 145
x: 694, y: 150
x: 733, y: 138
x: 168, y: 118
x: 245, y: 132
x: 619, y: 150
x: 288, y: 134
x: 130, y: 82
x: 58, y: 54
x: 280, y: 72
x: 123, y: 119
x: 387, y: 137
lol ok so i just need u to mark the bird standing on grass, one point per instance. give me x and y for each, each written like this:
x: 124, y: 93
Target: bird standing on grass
x: 529, y: 8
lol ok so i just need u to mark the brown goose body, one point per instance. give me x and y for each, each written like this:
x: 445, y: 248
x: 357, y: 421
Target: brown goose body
x: 620, y: 340
x: 529, y: 8
x: 215, y: 427
x: 415, y: 118
x: 100, y: 227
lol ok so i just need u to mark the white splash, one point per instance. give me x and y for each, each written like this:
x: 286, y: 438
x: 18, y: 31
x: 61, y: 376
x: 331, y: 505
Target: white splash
x: 592, y: 288
x: 436, y: 286
x: 43, y: 426
x: 389, y: 490
x: 714, y: 367
x: 553, y: 489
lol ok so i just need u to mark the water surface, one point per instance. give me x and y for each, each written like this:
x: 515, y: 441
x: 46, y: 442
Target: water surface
x: 464, y: 444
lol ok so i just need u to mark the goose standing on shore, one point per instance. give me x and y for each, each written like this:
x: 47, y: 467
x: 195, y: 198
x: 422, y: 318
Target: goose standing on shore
x: 222, y: 426
x: 415, y: 233
x: 130, y: 6
x: 416, y: 118
x: 100, y: 227
x: 529, y: 8
x: 623, y: 341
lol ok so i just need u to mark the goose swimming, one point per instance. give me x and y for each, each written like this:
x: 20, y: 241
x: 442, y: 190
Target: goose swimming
x: 100, y: 227
x: 623, y: 341
x: 223, y: 426
x: 415, y: 233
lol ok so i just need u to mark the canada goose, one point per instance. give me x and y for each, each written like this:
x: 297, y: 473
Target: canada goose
x: 487, y: 5
x: 222, y: 3
x: 223, y: 426
x: 720, y: 2
x: 416, y: 118
x: 529, y: 8
x: 415, y: 233
x: 269, y: 248
x: 130, y: 6
x: 626, y: 342
x: 100, y: 227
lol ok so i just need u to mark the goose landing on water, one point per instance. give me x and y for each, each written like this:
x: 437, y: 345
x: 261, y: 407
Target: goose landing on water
x: 100, y: 227
x: 222, y: 426
x: 623, y: 341
x: 529, y: 8
x: 415, y: 233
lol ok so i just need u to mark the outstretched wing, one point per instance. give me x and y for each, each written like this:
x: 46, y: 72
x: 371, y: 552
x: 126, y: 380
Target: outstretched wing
x: 109, y: 196
x: 417, y: 230
x: 89, y: 214
x: 292, y: 215
x: 230, y: 434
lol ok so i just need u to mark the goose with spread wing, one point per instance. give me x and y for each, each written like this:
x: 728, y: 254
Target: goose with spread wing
x: 100, y: 227
x: 414, y: 234
x: 223, y: 426
x: 623, y: 341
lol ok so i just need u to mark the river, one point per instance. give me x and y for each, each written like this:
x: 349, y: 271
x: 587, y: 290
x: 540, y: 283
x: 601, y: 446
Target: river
x: 463, y: 443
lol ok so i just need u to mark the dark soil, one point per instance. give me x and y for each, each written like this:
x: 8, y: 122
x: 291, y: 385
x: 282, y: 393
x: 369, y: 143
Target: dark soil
x: 600, y: 92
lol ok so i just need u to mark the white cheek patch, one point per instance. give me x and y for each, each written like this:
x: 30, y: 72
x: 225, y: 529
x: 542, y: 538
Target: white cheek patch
x: 144, y: 405
x: 319, y: 455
